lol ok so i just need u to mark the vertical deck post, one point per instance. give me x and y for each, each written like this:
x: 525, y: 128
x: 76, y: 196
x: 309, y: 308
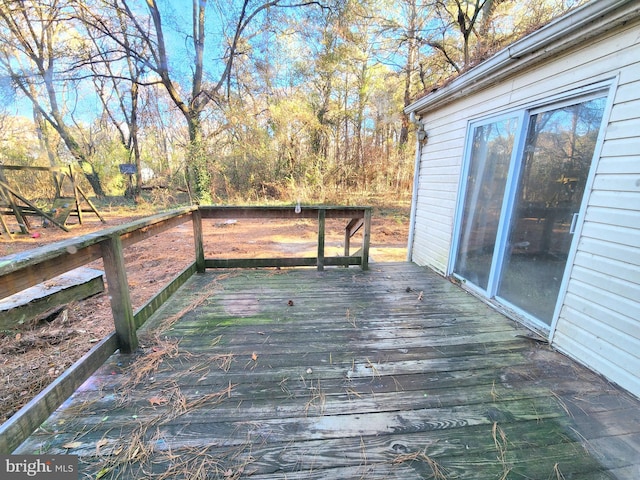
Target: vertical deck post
x: 114, y: 268
x: 4, y: 194
x: 366, y: 238
x: 321, y: 227
x: 347, y: 241
x: 24, y: 228
x: 75, y: 194
x: 196, y: 217
x: 5, y: 227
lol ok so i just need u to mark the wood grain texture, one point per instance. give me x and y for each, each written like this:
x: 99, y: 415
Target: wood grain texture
x: 281, y: 212
x: 49, y: 297
x: 116, y: 273
x: 29, y: 417
x: 388, y: 373
x: 25, y: 269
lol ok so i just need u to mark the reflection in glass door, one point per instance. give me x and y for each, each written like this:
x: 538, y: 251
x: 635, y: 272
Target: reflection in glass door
x: 553, y: 172
x: 520, y: 207
x: 490, y: 158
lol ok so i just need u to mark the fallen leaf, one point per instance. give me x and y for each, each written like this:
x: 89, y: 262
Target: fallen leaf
x: 101, y: 443
x: 72, y: 445
x: 157, y: 400
x: 228, y: 473
x: 254, y: 356
x: 102, y: 473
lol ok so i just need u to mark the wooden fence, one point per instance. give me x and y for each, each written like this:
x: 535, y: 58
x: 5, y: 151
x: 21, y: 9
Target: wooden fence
x: 26, y: 269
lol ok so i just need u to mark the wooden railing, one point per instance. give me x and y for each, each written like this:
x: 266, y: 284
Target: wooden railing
x: 358, y: 217
x: 26, y: 269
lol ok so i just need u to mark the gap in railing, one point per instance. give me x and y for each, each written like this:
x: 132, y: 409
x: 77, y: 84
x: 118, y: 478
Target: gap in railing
x: 271, y: 238
x: 285, y: 236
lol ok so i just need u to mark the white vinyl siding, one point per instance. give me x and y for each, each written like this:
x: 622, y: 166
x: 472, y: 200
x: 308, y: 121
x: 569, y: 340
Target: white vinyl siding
x: 599, y: 321
x: 439, y: 177
x: 442, y: 155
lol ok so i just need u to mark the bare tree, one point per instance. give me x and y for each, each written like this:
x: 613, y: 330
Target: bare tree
x: 33, y: 54
x: 190, y: 95
x: 414, y: 18
x: 116, y: 77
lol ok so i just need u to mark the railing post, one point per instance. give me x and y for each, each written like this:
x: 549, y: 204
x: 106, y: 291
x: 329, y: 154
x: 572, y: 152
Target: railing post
x: 196, y: 217
x: 366, y: 238
x: 321, y: 227
x: 114, y: 268
x: 347, y: 240
x: 75, y: 193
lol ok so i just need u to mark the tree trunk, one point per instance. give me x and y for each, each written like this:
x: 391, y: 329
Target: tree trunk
x: 87, y: 168
x: 135, y: 147
x: 199, y: 176
x: 92, y: 177
x: 412, y: 50
x: 45, y: 144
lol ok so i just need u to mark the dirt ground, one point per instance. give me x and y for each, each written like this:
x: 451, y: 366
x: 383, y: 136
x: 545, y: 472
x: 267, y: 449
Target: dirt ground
x: 33, y: 355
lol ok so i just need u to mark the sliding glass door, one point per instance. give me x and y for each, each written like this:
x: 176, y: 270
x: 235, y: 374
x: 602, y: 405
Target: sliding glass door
x: 521, y: 204
x: 554, y: 169
x: 489, y: 159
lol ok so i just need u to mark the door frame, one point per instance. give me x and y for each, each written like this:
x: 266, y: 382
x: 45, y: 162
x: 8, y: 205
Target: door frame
x: 606, y: 89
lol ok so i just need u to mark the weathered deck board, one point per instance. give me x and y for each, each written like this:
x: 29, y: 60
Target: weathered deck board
x: 387, y: 373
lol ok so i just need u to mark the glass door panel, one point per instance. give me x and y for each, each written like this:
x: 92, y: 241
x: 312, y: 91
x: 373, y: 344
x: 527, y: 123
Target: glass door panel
x: 555, y: 165
x: 490, y: 157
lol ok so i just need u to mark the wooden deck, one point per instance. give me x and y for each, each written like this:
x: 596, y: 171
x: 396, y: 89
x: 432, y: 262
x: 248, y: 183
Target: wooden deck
x: 388, y: 373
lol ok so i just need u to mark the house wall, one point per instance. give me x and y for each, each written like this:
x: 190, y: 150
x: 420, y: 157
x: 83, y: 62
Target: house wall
x: 599, y: 323
x: 600, y: 319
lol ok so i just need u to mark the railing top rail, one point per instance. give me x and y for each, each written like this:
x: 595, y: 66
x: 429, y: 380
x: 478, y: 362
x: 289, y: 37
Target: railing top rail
x: 212, y: 211
x: 47, y: 261
x: 24, y: 269
x: 32, y: 168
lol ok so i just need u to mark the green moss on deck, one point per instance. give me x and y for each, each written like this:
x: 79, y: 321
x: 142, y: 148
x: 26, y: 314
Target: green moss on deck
x: 359, y: 378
